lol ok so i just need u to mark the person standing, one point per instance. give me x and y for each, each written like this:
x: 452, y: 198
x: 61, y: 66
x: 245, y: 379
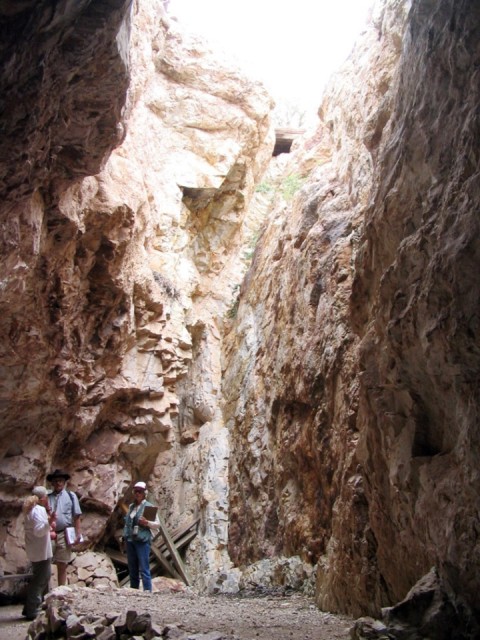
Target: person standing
x: 38, y: 547
x: 66, y: 506
x: 137, y: 534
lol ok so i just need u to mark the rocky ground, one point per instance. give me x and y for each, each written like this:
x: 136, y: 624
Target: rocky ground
x: 263, y: 616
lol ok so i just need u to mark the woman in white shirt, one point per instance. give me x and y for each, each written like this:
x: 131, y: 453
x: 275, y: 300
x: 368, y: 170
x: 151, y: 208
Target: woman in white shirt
x: 38, y: 547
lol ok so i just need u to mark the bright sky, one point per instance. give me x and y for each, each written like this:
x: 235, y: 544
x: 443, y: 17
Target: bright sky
x: 293, y: 47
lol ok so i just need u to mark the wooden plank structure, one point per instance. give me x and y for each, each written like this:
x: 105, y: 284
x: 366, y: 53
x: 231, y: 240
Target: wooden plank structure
x: 284, y: 139
x: 164, y: 553
x: 16, y: 576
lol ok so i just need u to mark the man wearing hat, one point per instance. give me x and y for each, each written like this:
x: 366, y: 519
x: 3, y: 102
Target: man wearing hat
x: 65, y: 505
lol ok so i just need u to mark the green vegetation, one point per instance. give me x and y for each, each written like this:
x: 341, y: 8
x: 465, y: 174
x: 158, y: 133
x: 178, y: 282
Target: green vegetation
x: 288, y: 187
x: 249, y: 251
x: 232, y: 311
x: 291, y: 185
x: 264, y: 187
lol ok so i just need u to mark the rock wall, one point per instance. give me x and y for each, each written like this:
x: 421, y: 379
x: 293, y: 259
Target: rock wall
x: 118, y: 268
x: 351, y: 372
x: 415, y: 304
x: 335, y: 425
x: 291, y: 379
x: 62, y: 99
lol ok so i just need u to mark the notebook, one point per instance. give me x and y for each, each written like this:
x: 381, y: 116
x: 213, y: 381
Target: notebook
x: 150, y: 513
x: 71, y: 536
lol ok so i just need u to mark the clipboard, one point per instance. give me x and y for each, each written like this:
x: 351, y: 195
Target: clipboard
x: 150, y: 513
x: 71, y: 536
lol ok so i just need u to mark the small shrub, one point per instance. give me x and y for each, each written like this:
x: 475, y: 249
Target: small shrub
x: 264, y: 187
x: 291, y: 185
x: 252, y: 243
x: 232, y: 311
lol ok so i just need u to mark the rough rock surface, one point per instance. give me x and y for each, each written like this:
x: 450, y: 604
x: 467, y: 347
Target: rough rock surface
x: 416, y: 306
x: 291, y: 374
x: 427, y: 611
x: 351, y: 381
x: 89, y: 569
x: 185, y: 615
x: 117, y: 272
x: 62, y: 98
x: 340, y: 428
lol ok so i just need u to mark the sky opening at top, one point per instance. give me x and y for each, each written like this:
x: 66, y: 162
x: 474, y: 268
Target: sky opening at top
x: 292, y: 47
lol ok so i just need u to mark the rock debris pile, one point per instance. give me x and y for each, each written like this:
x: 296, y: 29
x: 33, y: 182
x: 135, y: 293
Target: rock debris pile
x: 107, y: 613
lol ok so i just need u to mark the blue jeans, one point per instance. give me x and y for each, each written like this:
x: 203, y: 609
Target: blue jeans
x: 138, y: 558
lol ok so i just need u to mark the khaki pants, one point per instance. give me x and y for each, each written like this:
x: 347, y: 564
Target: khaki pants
x: 61, y: 553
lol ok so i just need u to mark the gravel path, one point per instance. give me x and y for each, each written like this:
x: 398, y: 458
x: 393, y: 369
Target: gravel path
x: 270, y: 617
x: 12, y: 625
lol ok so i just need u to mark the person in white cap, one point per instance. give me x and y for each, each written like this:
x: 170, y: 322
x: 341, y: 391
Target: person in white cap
x: 38, y: 548
x: 138, y: 535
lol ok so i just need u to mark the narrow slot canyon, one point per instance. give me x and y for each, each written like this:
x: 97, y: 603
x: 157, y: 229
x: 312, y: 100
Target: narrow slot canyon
x: 274, y: 327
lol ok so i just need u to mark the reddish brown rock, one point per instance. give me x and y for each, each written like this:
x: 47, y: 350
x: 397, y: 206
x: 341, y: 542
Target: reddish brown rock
x: 415, y: 305
x: 117, y: 268
x: 352, y: 368
x: 336, y: 427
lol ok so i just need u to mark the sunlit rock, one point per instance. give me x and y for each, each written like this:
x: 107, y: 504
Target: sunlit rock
x: 117, y: 267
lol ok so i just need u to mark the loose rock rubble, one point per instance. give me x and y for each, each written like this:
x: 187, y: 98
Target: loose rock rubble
x: 91, y: 569
x: 427, y: 611
x: 79, y: 613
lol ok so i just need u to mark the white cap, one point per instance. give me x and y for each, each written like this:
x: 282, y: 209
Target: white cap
x: 140, y: 485
x: 40, y: 492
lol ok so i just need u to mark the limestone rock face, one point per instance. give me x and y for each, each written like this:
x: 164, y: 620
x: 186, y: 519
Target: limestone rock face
x: 117, y: 269
x: 352, y: 371
x: 63, y: 94
x: 58, y: 125
x: 416, y: 306
x: 291, y: 380
x: 324, y: 423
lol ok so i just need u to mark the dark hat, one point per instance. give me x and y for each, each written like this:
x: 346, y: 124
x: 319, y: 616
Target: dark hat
x: 58, y: 474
